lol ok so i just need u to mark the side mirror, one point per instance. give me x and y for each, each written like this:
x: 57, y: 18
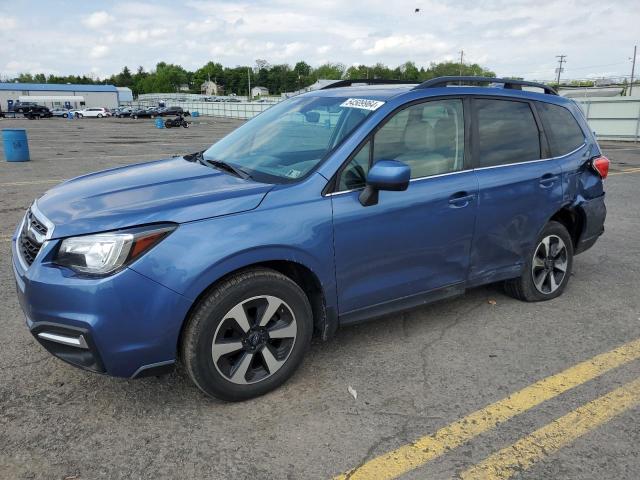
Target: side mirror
x: 388, y: 175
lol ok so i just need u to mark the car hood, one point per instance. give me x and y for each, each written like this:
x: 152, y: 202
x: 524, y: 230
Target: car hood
x: 171, y: 190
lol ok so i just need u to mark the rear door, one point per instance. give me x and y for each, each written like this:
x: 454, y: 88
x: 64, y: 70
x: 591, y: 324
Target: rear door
x: 520, y: 186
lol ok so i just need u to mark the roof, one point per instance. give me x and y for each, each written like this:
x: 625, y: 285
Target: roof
x: 59, y: 87
x: 375, y: 92
x: 386, y: 92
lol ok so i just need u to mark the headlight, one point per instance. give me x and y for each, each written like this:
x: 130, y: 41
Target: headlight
x: 104, y: 253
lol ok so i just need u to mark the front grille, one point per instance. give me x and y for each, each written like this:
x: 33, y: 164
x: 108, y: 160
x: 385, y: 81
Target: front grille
x: 36, y: 225
x: 29, y: 249
x: 31, y: 237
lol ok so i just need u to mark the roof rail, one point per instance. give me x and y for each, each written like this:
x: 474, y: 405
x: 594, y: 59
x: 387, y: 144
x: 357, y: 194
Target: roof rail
x: 367, y: 81
x: 508, y: 83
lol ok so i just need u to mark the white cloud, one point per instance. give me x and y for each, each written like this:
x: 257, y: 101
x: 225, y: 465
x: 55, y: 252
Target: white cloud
x: 99, y: 51
x: 7, y: 23
x: 401, y: 44
x: 512, y: 38
x: 97, y: 19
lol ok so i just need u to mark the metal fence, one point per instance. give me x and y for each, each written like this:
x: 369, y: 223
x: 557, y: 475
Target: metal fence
x: 613, y: 118
x: 226, y: 106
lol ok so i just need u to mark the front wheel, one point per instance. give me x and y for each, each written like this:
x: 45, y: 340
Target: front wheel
x: 547, y: 270
x: 248, y: 335
x: 99, y: 115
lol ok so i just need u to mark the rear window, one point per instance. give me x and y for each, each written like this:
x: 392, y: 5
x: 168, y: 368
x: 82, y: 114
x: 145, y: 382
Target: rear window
x: 561, y: 127
x: 507, y: 132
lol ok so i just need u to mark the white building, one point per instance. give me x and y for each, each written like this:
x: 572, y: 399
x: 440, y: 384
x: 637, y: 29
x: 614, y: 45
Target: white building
x: 259, y: 91
x: 209, y: 88
x: 58, y: 95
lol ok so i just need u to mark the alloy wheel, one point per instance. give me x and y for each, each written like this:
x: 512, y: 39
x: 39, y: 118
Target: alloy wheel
x: 254, y: 339
x: 549, y: 265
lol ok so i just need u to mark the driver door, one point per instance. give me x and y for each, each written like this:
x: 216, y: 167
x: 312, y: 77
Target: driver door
x: 412, y: 245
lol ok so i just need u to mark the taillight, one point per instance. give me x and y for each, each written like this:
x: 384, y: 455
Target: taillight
x: 601, y: 165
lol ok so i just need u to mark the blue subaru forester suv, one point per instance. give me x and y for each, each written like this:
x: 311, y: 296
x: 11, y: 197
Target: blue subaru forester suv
x: 332, y: 207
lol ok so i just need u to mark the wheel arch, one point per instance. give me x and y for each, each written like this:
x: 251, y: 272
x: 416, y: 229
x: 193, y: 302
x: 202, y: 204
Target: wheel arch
x: 572, y: 218
x: 325, y: 319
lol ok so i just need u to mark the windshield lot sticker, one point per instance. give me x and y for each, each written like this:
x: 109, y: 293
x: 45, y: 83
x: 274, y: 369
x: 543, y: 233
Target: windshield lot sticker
x: 293, y: 173
x: 362, y: 103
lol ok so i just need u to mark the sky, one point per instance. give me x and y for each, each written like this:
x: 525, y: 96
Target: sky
x: 512, y: 38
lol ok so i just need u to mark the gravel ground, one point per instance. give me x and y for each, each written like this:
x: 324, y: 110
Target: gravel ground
x: 414, y: 372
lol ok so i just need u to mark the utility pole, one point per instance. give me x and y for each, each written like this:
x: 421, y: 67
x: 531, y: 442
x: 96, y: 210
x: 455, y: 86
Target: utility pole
x: 633, y: 69
x: 561, y: 60
x: 249, y: 77
x: 461, y: 61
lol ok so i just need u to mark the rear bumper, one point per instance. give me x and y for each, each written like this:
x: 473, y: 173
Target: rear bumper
x: 125, y: 325
x: 594, y: 213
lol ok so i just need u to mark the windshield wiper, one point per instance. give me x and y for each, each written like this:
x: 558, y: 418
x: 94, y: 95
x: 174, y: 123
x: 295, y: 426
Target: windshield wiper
x: 219, y: 164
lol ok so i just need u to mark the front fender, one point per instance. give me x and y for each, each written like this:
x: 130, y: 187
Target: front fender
x: 198, y: 254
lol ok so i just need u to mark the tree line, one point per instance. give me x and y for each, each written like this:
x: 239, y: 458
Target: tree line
x: 279, y: 78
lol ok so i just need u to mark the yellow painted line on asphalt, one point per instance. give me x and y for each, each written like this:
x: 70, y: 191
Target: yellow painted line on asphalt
x: 556, y: 435
x: 622, y: 172
x: 411, y: 456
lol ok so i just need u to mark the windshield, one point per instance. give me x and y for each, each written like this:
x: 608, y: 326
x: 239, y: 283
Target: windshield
x: 288, y: 140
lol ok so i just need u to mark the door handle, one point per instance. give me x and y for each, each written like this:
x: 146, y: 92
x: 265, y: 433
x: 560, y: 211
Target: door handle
x: 548, y: 179
x: 460, y: 199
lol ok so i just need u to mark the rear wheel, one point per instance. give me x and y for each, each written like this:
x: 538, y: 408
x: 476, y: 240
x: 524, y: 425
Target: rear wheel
x: 548, y: 268
x: 248, y: 335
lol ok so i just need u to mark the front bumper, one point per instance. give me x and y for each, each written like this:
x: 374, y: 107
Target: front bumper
x: 125, y: 325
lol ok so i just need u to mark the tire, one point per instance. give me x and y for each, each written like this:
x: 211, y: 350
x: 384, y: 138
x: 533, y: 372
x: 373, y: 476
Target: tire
x: 168, y: 124
x: 152, y: 116
x: 65, y: 115
x: 543, y: 277
x: 261, y: 363
x: 135, y: 117
x: 185, y: 124
x: 99, y: 115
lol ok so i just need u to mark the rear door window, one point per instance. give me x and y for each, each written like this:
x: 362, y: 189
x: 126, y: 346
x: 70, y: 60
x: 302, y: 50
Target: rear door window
x: 561, y: 127
x: 507, y: 132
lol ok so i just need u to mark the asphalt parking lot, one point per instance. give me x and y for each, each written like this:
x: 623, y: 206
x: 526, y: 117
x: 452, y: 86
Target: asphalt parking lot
x: 419, y: 376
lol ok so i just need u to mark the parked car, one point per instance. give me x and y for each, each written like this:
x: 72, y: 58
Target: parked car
x: 166, y: 111
x: 37, y: 111
x: 122, y: 112
x: 96, y: 112
x: 60, y: 112
x: 21, y: 107
x: 149, y: 112
x: 230, y: 259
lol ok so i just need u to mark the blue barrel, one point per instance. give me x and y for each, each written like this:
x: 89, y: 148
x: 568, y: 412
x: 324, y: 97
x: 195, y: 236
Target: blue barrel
x: 159, y: 123
x: 195, y: 114
x: 16, y: 148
